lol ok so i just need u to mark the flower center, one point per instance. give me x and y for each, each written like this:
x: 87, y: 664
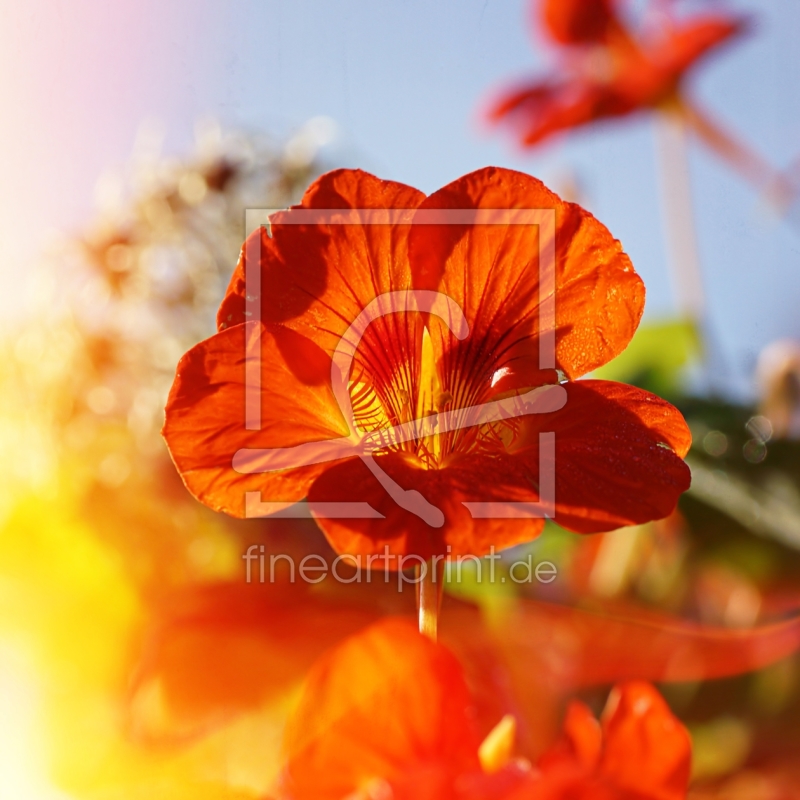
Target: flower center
x: 431, y: 401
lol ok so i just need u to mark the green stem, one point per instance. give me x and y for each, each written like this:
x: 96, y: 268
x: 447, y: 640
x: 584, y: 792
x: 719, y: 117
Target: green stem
x: 429, y: 597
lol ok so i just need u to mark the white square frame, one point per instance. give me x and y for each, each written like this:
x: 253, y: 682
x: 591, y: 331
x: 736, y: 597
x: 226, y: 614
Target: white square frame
x: 543, y: 218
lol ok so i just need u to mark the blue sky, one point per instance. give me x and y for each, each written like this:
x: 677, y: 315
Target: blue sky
x: 403, y: 80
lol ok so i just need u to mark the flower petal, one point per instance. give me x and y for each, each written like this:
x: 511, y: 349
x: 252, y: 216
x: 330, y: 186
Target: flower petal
x: 385, y: 703
x: 570, y: 104
x: 617, y: 462
x: 205, y: 415
x: 617, y: 456
x: 317, y: 271
x: 256, y: 641
x: 492, y: 272
x: 577, y: 21
x: 693, y: 40
x: 628, y: 642
x: 312, y: 263
x: 581, y: 740
x: 479, y: 478
x: 646, y: 752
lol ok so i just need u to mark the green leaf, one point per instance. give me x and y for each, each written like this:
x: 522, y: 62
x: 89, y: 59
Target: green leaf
x: 656, y: 357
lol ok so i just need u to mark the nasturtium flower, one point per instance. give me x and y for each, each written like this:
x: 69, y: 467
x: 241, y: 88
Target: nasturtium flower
x: 618, y: 449
x: 388, y: 714
x: 608, y: 71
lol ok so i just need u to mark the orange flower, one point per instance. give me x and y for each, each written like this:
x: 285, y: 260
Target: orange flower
x: 616, y: 74
x: 388, y: 714
x: 618, y: 449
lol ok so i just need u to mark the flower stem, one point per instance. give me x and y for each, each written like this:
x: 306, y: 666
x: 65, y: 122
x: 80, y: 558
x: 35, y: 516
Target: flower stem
x: 775, y: 187
x: 681, y: 237
x: 679, y: 217
x: 429, y: 597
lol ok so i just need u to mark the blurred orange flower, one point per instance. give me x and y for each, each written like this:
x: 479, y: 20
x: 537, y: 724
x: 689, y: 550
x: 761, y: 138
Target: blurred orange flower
x: 618, y: 451
x: 388, y: 714
x: 256, y: 643
x: 615, y: 73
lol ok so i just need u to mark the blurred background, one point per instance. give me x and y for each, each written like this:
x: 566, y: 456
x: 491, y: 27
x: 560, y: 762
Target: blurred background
x: 134, y: 661
x: 87, y: 88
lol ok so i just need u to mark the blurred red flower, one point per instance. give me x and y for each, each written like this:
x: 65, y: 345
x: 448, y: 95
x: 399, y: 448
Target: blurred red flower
x: 388, y: 714
x: 257, y: 642
x: 614, y: 72
x: 618, y: 451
